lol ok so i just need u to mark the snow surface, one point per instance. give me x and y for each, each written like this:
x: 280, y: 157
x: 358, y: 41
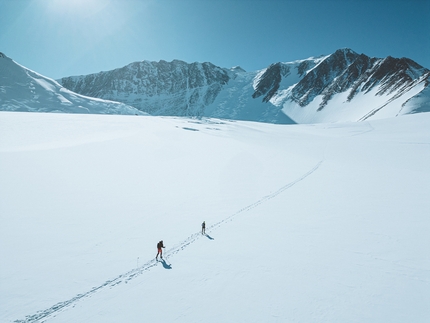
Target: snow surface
x: 342, y: 110
x: 305, y: 223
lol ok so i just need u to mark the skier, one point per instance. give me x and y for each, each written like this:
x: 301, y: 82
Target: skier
x: 203, y: 227
x: 160, y: 250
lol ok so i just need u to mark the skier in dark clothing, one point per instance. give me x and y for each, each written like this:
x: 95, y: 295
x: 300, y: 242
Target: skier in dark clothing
x: 203, y: 227
x: 160, y: 250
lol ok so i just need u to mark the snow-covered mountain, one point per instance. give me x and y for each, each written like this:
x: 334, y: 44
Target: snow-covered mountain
x: 180, y: 89
x: 343, y: 86
x: 346, y: 86
x: 22, y: 89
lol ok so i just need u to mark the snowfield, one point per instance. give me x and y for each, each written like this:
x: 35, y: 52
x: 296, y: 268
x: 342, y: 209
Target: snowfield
x: 305, y: 223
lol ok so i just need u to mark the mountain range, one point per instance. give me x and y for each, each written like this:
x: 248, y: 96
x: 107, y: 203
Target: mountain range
x: 343, y: 86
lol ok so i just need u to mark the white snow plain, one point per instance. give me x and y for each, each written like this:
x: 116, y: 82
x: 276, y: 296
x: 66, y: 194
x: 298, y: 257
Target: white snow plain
x: 305, y: 223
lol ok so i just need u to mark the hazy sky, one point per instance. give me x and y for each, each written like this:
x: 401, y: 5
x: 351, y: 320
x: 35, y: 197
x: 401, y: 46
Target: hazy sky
x: 73, y: 37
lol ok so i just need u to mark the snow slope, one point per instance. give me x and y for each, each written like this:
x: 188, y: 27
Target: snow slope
x: 305, y: 223
x: 22, y: 89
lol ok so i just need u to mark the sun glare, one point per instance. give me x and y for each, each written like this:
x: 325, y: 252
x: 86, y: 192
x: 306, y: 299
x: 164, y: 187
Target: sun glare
x: 77, y: 7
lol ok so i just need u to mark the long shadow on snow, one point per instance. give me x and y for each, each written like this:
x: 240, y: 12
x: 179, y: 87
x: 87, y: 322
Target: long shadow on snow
x: 165, y: 264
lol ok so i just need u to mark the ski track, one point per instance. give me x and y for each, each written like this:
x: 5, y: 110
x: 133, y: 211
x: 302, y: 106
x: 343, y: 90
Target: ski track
x: 41, y: 316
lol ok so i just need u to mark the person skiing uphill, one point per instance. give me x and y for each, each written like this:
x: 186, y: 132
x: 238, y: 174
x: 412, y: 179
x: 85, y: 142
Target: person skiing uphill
x: 203, y: 227
x: 160, y: 250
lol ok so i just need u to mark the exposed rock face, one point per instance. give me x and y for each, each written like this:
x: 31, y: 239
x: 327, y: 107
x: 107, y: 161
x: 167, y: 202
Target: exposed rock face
x: 320, y: 78
x: 270, y: 81
x: 156, y: 88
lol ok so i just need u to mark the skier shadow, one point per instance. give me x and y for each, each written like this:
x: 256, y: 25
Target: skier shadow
x: 165, y: 264
x: 208, y: 236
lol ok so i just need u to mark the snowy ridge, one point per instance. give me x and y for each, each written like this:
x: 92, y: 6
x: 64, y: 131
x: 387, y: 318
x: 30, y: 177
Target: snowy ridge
x: 22, y: 89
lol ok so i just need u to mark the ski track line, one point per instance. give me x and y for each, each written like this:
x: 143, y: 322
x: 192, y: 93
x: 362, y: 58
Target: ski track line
x: 41, y: 316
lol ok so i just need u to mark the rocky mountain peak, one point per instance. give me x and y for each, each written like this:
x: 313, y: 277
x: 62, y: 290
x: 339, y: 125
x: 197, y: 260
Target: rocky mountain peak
x: 237, y: 69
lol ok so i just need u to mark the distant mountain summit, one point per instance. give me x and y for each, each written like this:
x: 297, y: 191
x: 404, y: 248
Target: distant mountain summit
x: 343, y: 86
x: 346, y: 86
x: 24, y: 90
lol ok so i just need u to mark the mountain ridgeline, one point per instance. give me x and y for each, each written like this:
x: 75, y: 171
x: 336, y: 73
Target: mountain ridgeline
x: 24, y: 90
x: 343, y: 86
x: 162, y: 88
x: 340, y: 87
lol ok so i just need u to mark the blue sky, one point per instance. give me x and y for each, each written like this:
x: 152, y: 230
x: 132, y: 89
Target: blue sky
x: 63, y: 37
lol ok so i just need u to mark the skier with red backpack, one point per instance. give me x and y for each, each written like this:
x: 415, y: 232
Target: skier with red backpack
x: 160, y: 250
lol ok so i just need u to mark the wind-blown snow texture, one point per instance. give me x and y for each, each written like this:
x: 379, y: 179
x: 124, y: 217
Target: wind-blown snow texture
x: 305, y: 223
x: 343, y: 86
x: 24, y: 90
